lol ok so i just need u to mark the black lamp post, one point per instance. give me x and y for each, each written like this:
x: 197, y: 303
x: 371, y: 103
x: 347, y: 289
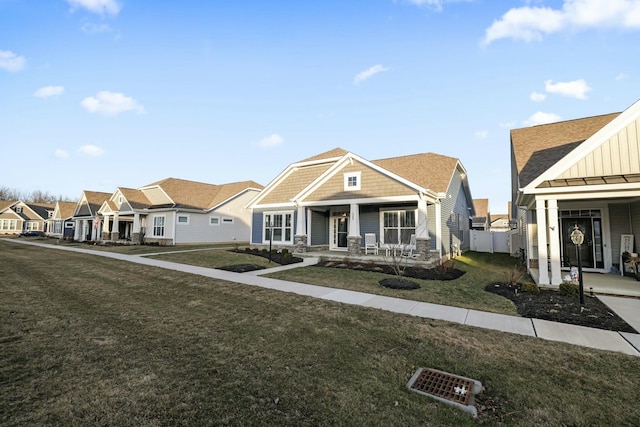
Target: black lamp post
x: 577, y: 237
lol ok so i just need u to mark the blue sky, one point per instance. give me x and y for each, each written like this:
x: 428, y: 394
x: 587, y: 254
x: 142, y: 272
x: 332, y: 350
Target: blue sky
x: 100, y: 94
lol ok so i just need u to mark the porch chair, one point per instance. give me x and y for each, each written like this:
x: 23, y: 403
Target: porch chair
x: 407, y: 250
x: 370, y: 243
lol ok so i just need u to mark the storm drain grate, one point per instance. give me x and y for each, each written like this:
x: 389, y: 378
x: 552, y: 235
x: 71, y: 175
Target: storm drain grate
x: 452, y: 389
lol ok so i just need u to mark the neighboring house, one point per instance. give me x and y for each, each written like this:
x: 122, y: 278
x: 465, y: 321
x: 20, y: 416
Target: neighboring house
x: 86, y: 218
x: 11, y: 220
x: 330, y: 201
x: 584, y: 173
x: 500, y: 222
x: 17, y: 216
x: 61, y: 223
x: 482, y: 218
x: 176, y: 211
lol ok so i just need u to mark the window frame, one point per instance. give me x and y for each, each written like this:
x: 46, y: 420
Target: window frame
x: 187, y: 216
x: 348, y: 177
x: 285, y: 228
x: 217, y: 222
x: 402, y: 229
x: 159, y: 227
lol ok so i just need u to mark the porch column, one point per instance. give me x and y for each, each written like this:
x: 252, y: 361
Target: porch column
x: 554, y: 242
x: 421, y: 225
x: 115, y: 235
x: 439, y: 229
x: 77, y: 231
x: 135, y: 235
x: 422, y: 231
x: 106, y: 228
x: 300, y: 238
x: 353, y: 237
x: 543, y: 267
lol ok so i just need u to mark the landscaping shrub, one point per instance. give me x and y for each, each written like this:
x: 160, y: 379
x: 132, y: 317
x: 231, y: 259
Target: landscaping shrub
x: 569, y: 289
x: 531, y: 288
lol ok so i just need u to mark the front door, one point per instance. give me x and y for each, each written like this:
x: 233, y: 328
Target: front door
x: 590, y: 251
x: 339, y: 230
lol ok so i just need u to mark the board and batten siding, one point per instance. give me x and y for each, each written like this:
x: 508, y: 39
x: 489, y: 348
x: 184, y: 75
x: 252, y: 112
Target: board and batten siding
x: 319, y: 228
x: 619, y: 224
x: 619, y: 155
x: 369, y: 222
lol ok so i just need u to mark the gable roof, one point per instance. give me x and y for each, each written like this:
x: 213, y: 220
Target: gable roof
x: 66, y: 209
x: 5, y: 204
x: 482, y: 207
x: 42, y: 209
x: 535, y: 149
x: 135, y: 198
x: 198, y: 195
x: 428, y: 172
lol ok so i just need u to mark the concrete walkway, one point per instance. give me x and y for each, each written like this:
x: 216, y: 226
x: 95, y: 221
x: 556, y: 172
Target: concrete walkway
x: 627, y: 308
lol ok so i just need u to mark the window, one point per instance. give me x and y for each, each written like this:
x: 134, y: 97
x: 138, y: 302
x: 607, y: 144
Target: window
x: 280, y: 225
x: 352, y: 181
x: 227, y: 220
x: 8, y: 224
x: 398, y: 226
x: 158, y: 226
x: 57, y: 227
x: 18, y: 209
x: 460, y: 229
x: 68, y: 225
x: 214, y: 220
x: 183, y: 219
x: 32, y: 226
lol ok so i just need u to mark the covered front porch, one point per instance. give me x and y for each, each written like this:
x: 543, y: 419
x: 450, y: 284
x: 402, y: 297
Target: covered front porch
x: 607, y: 223
x: 342, y: 229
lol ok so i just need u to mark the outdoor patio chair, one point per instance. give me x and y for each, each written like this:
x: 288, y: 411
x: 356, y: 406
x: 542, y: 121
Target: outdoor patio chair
x: 370, y: 243
x: 407, y: 250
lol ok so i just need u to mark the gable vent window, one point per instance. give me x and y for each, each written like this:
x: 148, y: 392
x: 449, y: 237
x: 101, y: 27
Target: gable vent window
x: 352, y: 181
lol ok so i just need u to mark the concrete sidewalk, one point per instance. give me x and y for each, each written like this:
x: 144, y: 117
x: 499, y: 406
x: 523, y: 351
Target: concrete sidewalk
x: 627, y: 308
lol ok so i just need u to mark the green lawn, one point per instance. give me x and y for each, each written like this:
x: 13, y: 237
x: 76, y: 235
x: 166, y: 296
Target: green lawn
x: 466, y: 291
x: 86, y: 340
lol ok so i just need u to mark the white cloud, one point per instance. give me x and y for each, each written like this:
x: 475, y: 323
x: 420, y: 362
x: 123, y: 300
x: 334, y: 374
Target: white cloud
x: 47, y: 91
x: 366, y: 74
x: 271, y: 141
x: 101, y: 7
x: 537, y: 97
x: 61, y: 154
x: 575, y: 89
x: 91, y: 151
x: 621, y: 76
x: 482, y: 134
x: 11, y: 62
x: 531, y: 23
x: 111, y: 104
x: 541, y: 118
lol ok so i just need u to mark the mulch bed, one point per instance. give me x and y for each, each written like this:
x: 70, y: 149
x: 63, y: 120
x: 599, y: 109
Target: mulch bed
x: 242, y: 268
x: 414, y: 272
x: 556, y: 307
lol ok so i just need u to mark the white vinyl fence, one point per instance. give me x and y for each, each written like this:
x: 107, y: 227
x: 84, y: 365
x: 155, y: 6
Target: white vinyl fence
x: 491, y: 241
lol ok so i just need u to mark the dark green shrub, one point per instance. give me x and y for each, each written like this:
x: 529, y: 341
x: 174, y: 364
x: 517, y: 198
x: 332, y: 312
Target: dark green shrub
x: 569, y: 289
x: 531, y: 288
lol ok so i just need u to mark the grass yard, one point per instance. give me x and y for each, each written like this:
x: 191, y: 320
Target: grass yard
x: 466, y: 291
x: 86, y: 340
